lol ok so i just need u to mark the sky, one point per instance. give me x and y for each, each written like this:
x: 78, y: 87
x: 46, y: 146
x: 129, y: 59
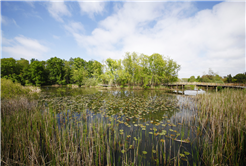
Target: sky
x: 198, y: 35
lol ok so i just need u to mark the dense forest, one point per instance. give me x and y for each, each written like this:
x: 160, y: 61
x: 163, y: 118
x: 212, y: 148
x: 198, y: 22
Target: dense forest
x: 134, y: 69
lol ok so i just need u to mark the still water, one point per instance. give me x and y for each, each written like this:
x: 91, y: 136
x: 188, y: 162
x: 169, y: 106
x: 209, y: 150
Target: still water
x: 164, y: 123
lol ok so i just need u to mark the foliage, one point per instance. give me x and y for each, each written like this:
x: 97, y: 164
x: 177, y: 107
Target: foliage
x: 184, y: 80
x: 141, y: 70
x: 10, y: 89
x: 55, y: 68
x: 79, y: 75
x: 90, y: 82
x: 192, y: 79
x: 211, y: 77
x: 8, y: 67
x: 67, y: 71
x: 37, y: 73
x: 229, y: 78
x: 240, y: 78
x: 97, y: 70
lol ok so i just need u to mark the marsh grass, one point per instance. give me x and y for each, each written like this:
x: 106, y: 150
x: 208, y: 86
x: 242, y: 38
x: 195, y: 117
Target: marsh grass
x: 42, y: 136
x: 109, y: 128
x: 222, y: 119
x: 15, y: 97
x: 9, y: 89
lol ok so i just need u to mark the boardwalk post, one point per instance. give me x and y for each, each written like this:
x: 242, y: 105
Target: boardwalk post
x: 171, y: 86
x: 177, y: 88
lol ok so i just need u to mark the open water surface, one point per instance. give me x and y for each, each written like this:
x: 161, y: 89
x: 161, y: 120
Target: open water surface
x: 165, y: 123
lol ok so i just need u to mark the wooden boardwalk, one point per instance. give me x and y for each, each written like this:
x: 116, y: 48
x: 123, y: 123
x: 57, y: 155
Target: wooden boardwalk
x: 175, y: 85
x: 224, y: 85
x: 229, y: 85
x: 207, y: 85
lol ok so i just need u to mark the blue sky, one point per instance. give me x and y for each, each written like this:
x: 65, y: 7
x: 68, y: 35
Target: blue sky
x: 198, y: 34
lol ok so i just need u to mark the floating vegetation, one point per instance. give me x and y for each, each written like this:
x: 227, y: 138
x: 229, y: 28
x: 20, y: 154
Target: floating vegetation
x: 113, y: 128
x: 144, y: 152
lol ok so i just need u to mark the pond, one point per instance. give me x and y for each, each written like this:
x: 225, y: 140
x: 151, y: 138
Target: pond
x: 136, y: 126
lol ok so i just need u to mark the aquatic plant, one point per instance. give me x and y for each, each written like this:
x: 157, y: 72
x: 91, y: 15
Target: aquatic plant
x: 118, y: 127
x: 222, y: 134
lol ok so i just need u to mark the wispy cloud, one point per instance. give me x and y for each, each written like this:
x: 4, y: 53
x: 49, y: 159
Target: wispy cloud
x: 30, y: 3
x: 57, y: 10
x: 196, y: 40
x: 91, y: 8
x: 23, y: 47
x: 15, y: 23
x: 74, y: 27
x: 4, y: 20
x: 7, y: 21
x: 56, y: 37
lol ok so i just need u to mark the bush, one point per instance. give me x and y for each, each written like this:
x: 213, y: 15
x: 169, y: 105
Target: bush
x: 190, y: 87
x: 9, y: 89
x: 90, y: 82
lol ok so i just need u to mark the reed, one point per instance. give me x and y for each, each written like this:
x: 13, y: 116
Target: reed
x: 222, y: 118
x: 63, y: 131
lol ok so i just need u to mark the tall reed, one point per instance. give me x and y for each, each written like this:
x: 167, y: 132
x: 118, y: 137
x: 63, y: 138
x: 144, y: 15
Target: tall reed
x: 222, y: 119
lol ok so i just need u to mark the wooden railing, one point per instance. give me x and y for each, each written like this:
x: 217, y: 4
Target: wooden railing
x: 207, y: 84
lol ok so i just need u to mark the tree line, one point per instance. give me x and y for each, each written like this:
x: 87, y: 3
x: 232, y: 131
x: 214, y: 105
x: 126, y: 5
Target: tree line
x: 212, y: 77
x: 133, y: 69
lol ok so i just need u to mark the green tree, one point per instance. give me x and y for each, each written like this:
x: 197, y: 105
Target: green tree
x: 37, y: 73
x: 22, y: 66
x: 78, y: 63
x: 97, y: 69
x: 55, y: 68
x: 111, y: 67
x: 79, y: 75
x: 211, y: 77
x: 145, y: 73
x: 192, y: 79
x: 158, y: 67
x: 229, y: 78
x: 240, y: 78
x: 67, y: 72
x: 89, y: 68
x: 171, y: 70
x: 12, y: 69
x: 8, y: 67
x: 198, y: 79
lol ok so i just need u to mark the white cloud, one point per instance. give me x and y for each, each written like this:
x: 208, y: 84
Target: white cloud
x: 7, y: 21
x: 56, y: 37
x: 23, y: 47
x: 198, y: 41
x: 74, y: 27
x: 91, y: 8
x: 30, y: 3
x: 4, y: 20
x: 15, y: 23
x: 58, y: 9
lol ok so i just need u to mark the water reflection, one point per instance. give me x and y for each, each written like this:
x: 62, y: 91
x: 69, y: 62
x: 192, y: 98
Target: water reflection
x: 154, y: 117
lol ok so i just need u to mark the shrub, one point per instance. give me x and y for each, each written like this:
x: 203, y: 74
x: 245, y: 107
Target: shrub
x: 90, y: 82
x: 190, y: 87
x: 9, y: 89
x: 219, y: 88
